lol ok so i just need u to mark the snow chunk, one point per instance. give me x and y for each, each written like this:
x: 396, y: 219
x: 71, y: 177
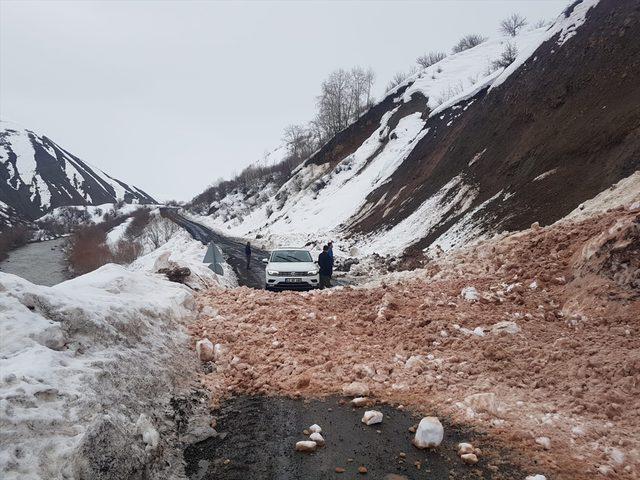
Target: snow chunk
x: 204, y: 349
x: 429, y: 434
x: 470, y: 294
x: 356, y: 389
x: 315, y: 428
x: 316, y: 437
x: 372, y: 417
x: 150, y: 435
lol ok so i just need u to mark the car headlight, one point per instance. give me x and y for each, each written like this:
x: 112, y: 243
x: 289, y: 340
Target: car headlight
x: 312, y: 272
x: 273, y: 272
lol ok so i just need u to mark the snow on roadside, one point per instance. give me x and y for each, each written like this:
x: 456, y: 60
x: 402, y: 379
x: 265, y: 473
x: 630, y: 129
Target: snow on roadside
x: 82, y: 360
x: 182, y: 250
x: 117, y: 233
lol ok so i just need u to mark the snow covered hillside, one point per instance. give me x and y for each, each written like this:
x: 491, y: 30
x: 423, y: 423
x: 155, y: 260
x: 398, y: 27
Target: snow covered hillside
x: 38, y: 175
x: 465, y: 148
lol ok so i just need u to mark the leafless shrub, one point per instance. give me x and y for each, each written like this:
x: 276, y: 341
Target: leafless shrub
x: 512, y: 24
x: 452, y: 90
x: 86, y: 249
x: 542, y: 23
x: 467, y: 42
x: 507, y: 57
x: 430, y: 58
x: 400, y: 77
x: 139, y: 220
x: 126, y: 251
x: 13, y: 237
x: 68, y: 219
x: 159, y: 231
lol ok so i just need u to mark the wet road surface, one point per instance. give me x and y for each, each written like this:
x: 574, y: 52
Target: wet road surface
x: 232, y: 248
x: 256, y: 438
x: 41, y: 263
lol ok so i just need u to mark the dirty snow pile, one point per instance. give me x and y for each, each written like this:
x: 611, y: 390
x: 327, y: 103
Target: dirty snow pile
x: 183, y: 251
x: 87, y: 371
x: 532, y: 337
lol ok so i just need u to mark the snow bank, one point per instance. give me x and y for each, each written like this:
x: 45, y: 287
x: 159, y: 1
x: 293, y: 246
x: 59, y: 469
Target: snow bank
x: 182, y: 250
x: 82, y: 360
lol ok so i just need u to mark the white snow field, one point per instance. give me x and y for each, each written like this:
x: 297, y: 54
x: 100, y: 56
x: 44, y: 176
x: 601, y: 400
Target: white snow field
x: 86, y: 356
x: 319, y: 202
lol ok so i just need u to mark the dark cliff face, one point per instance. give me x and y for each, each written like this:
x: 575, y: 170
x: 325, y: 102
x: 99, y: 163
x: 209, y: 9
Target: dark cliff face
x: 37, y: 175
x: 558, y: 131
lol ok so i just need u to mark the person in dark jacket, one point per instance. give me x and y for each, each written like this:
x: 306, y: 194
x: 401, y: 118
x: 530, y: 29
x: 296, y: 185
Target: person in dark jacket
x: 326, y: 267
x: 330, y: 252
x: 247, y: 252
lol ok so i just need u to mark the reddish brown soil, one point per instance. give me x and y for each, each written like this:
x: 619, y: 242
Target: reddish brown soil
x: 572, y: 372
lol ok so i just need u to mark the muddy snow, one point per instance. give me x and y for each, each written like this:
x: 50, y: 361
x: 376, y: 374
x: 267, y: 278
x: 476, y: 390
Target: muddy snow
x: 531, y: 338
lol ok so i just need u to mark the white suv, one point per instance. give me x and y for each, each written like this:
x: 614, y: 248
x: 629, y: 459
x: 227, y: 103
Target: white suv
x: 291, y: 268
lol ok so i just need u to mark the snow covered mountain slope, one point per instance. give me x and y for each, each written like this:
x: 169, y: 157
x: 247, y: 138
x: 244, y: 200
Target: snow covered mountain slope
x: 37, y: 175
x: 465, y: 148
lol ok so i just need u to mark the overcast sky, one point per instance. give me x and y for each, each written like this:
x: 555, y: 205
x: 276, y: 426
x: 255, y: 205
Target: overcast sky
x: 170, y: 95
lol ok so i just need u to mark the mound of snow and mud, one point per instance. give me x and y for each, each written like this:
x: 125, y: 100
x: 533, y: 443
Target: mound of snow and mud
x: 94, y: 373
x: 531, y: 337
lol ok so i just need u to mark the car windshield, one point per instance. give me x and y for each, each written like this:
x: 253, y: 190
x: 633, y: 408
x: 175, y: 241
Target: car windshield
x: 291, y: 256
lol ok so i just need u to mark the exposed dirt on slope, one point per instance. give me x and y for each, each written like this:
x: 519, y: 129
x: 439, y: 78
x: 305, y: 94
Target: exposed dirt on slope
x: 562, y: 128
x: 559, y: 381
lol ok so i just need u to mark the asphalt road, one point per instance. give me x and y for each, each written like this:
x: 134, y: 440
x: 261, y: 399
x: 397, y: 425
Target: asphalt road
x: 256, y: 436
x: 232, y: 249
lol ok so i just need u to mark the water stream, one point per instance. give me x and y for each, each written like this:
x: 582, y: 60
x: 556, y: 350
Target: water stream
x: 40, y: 262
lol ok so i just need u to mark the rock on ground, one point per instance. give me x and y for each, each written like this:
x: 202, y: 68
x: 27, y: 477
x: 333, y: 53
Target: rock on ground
x: 356, y: 389
x: 429, y: 434
x: 371, y: 417
x: 306, y: 446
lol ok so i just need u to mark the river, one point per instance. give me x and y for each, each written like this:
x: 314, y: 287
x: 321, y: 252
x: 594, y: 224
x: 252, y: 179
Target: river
x: 39, y: 262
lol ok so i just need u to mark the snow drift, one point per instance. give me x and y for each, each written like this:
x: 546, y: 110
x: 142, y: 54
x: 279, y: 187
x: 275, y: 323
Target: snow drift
x: 81, y: 361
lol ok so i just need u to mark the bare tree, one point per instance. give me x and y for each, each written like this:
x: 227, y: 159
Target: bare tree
x: 299, y: 141
x: 507, y: 57
x: 467, y: 42
x: 430, y: 58
x: 512, y: 24
x: 344, y: 95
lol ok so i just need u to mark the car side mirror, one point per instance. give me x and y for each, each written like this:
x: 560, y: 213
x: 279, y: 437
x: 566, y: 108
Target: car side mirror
x: 265, y: 260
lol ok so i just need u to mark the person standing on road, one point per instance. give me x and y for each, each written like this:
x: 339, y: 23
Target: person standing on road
x: 247, y: 253
x: 326, y: 267
x: 330, y: 252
